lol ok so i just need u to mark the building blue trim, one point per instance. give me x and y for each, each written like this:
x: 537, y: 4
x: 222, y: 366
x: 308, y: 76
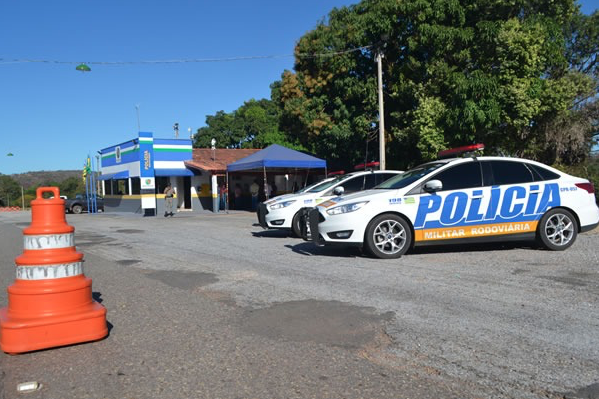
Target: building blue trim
x: 173, y: 172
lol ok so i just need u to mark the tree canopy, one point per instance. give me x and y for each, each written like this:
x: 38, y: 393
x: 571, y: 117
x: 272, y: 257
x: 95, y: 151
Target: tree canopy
x: 253, y: 125
x: 520, y: 76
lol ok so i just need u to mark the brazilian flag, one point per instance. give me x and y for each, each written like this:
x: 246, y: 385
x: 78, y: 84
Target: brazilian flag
x: 87, y: 168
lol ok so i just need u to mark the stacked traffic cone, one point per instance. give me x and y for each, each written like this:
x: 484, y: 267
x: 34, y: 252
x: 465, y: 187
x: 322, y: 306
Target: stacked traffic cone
x: 50, y: 303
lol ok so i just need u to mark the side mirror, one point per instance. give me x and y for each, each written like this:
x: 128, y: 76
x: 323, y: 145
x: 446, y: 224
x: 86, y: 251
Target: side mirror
x: 432, y: 186
x: 338, y: 191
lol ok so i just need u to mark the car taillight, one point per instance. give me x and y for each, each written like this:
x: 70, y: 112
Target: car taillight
x: 586, y: 186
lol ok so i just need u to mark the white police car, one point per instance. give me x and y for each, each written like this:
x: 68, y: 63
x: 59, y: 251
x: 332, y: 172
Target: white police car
x: 460, y: 200
x: 284, y: 212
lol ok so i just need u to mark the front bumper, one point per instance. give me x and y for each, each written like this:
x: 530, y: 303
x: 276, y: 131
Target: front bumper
x: 331, y: 230
x: 273, y: 219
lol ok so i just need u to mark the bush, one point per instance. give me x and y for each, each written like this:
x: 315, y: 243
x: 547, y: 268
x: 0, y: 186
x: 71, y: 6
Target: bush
x: 588, y: 170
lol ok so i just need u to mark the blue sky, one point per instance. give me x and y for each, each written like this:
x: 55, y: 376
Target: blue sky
x: 52, y: 116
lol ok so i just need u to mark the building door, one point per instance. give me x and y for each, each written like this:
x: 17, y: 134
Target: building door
x: 187, y: 192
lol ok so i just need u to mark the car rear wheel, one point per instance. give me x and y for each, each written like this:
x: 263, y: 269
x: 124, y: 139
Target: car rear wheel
x: 388, y: 236
x: 557, y: 229
x: 76, y: 209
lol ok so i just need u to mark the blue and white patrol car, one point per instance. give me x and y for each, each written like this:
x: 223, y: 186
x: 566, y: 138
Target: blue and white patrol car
x: 459, y: 200
x: 284, y: 212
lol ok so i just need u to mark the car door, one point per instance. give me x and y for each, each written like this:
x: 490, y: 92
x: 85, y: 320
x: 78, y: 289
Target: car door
x: 446, y: 213
x: 517, y: 198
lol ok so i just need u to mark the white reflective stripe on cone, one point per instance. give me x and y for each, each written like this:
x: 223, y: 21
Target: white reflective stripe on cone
x: 49, y: 271
x: 49, y: 241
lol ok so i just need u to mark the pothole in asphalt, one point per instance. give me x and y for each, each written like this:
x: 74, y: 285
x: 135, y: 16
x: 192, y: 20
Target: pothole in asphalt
x: 325, y: 322
x: 127, y: 262
x: 573, y: 281
x: 184, y: 280
x: 589, y: 392
x: 84, y: 239
x: 130, y: 231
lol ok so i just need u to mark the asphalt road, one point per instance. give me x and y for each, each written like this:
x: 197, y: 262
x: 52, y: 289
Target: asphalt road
x: 212, y: 306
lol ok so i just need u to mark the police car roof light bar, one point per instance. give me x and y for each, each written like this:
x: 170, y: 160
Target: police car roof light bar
x: 460, y: 150
x: 367, y: 165
x: 338, y: 172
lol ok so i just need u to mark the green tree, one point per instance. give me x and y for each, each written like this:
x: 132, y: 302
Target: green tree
x: 10, y: 191
x: 221, y: 127
x: 509, y: 74
x: 71, y: 187
x: 253, y: 125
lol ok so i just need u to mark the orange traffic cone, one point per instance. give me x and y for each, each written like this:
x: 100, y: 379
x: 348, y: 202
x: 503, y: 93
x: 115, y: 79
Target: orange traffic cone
x: 50, y: 303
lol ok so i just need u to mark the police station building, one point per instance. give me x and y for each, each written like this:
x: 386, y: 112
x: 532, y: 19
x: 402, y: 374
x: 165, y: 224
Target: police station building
x: 135, y: 173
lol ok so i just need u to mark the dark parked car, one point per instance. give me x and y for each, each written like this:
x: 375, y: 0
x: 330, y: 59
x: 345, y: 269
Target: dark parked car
x: 80, y: 203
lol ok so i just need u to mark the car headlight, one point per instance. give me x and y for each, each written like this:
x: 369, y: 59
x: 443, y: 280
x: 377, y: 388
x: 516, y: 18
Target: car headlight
x: 338, y: 210
x: 280, y: 205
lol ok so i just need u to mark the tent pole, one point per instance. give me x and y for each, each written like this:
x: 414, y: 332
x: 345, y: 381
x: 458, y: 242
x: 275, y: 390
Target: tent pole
x: 227, y: 192
x: 265, y: 183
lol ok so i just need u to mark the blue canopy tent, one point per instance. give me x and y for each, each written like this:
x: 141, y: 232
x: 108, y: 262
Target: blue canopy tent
x: 276, y: 158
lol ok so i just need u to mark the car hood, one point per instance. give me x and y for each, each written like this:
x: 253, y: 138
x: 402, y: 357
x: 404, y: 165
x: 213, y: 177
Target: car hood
x: 279, y: 198
x: 295, y: 197
x: 360, y: 195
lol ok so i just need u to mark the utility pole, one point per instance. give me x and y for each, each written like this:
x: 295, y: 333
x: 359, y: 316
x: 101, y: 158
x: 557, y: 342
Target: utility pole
x: 379, y: 60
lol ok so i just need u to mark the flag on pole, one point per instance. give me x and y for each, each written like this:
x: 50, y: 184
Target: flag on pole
x: 87, y: 168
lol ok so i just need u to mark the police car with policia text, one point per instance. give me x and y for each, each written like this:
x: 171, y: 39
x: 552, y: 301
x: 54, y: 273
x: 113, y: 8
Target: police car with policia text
x: 459, y: 200
x: 285, y: 212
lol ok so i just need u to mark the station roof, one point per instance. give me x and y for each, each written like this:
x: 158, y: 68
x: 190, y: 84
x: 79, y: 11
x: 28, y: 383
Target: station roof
x: 218, y: 159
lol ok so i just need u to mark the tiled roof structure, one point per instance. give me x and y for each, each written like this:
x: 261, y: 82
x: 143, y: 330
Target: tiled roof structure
x: 216, y: 161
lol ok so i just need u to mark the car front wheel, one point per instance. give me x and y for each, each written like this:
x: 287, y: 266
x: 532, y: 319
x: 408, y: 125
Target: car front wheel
x: 557, y: 229
x: 296, y: 229
x: 388, y: 236
x: 77, y: 209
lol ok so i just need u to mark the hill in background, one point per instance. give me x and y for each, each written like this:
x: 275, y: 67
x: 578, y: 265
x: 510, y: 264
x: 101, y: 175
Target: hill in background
x: 44, y: 177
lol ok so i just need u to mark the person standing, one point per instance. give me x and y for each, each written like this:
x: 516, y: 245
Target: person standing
x: 223, y: 197
x: 169, y: 193
x: 254, y: 190
x: 237, y: 196
x: 268, y: 191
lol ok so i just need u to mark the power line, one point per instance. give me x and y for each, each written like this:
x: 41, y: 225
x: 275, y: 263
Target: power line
x: 184, y: 61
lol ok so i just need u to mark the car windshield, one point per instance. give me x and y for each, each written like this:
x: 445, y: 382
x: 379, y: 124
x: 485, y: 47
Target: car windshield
x: 326, y: 184
x: 409, y: 177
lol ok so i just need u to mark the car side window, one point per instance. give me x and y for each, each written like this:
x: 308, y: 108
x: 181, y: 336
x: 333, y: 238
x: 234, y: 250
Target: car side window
x: 353, y: 185
x: 506, y: 172
x: 541, y: 173
x: 370, y: 181
x: 350, y: 185
x: 462, y: 176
